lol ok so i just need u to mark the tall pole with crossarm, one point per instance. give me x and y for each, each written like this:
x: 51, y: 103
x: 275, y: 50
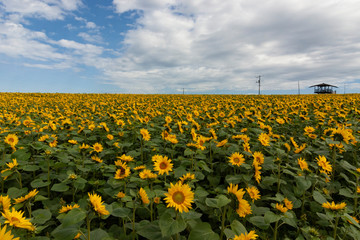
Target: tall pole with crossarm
x: 258, y: 81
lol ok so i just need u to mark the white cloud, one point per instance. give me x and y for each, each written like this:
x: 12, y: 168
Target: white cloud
x: 90, y: 25
x: 94, y: 38
x: 17, y: 41
x: 48, y: 9
x: 224, y: 44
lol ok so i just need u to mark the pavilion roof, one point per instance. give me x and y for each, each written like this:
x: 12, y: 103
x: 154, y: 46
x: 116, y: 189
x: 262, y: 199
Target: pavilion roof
x: 322, y: 85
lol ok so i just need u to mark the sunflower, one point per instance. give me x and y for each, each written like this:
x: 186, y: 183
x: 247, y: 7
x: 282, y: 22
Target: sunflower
x: 67, y: 208
x: 247, y: 236
x: 6, y: 235
x: 244, y: 208
x: 125, y: 158
x: 16, y: 219
x: 257, y: 173
x: 144, y: 196
x: 145, y: 134
x: 120, y: 195
x: 334, y: 206
x: 233, y: 188
x: 5, y: 203
x: 253, y: 193
x: 11, y: 165
x: 288, y: 204
x: 222, y: 143
x: 122, y: 173
x: 97, y: 147
x: 98, y: 204
x: 179, y: 196
x: 264, y: 139
x: 187, y: 176
x: 303, y: 164
x: 163, y: 165
x: 147, y: 174
x: 237, y: 159
x: 26, y: 197
x: 309, y: 130
x: 96, y: 159
x: 11, y: 139
x: 246, y: 147
x: 281, y: 207
x: 258, y: 158
x: 324, y: 164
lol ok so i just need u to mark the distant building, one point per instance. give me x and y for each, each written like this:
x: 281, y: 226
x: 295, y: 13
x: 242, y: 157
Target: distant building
x: 324, y: 88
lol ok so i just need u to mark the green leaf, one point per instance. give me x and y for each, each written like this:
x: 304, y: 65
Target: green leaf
x: 64, y: 233
x: 38, y: 183
x: 121, y: 212
x: 259, y: 221
x: 74, y: 216
x: 169, y: 226
x: 60, y: 187
x: 201, y: 164
x: 302, y: 183
x: 211, y: 202
x: 202, y: 231
x: 346, y: 192
x: 237, y: 227
x: 271, y: 217
x: 30, y: 168
x: 15, y: 192
x: 99, y: 234
x: 349, y: 218
x: 318, y: 197
x: 41, y: 216
x: 149, y: 230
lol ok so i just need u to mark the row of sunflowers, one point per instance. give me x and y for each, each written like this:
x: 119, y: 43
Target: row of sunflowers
x: 119, y: 166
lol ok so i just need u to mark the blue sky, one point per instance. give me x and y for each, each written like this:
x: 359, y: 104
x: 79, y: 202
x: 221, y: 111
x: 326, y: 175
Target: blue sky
x: 163, y: 46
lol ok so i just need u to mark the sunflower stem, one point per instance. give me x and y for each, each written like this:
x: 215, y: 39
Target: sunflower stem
x: 88, y: 221
x: 278, y: 176
x: 276, y: 229
x: 336, y: 224
x: 223, y: 223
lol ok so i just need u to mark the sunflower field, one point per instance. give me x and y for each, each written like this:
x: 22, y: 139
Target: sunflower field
x: 122, y: 166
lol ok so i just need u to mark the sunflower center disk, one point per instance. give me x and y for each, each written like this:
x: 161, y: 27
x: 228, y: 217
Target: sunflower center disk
x: 178, y: 197
x: 162, y: 165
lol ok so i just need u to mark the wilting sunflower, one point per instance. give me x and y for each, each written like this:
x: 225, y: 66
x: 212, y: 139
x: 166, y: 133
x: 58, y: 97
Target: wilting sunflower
x: 147, y: 174
x: 144, y: 196
x: 247, y: 236
x: 11, y: 139
x: 120, y: 195
x: 180, y: 197
x: 11, y: 165
x: 145, y: 134
x: 236, y: 159
x: 6, y: 235
x: 163, y: 165
x: 125, y: 158
x: 98, y: 204
x: 67, y: 208
x: 16, y: 219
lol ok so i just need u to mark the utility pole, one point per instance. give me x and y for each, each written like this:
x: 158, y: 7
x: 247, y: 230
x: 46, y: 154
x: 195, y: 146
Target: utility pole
x: 298, y: 87
x: 258, y: 81
x: 183, y: 91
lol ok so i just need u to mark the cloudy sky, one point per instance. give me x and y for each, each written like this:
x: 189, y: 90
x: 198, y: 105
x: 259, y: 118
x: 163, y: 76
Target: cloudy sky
x: 163, y: 46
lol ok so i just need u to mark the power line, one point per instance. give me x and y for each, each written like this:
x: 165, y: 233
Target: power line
x: 258, y: 81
